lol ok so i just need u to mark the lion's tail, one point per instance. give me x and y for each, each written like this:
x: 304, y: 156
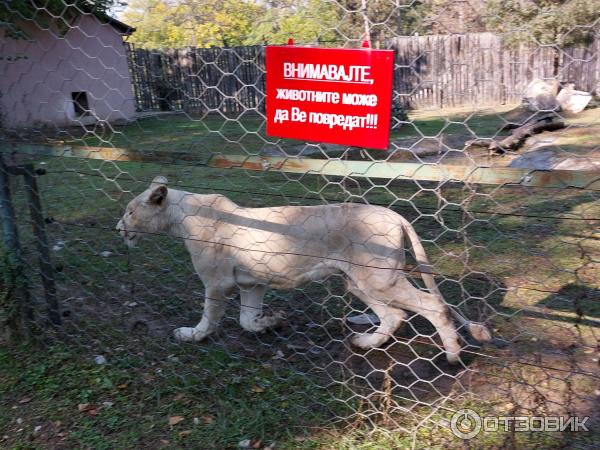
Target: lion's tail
x: 478, y: 330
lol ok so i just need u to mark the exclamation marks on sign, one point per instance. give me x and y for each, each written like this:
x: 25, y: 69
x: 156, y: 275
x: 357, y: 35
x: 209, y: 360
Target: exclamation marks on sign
x: 372, y: 120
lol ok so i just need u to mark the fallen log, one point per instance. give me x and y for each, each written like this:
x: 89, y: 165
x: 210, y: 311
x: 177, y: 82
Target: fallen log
x: 520, y: 135
x: 539, y: 112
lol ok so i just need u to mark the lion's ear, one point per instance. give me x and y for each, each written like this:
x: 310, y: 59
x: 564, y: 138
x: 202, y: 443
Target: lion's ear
x: 159, y: 180
x: 158, y: 195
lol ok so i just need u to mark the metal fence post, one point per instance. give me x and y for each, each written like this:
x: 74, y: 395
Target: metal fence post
x: 19, y: 310
x: 39, y: 230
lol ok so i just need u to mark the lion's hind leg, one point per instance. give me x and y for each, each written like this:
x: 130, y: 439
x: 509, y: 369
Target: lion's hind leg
x: 251, y: 310
x: 436, y: 311
x: 390, y: 318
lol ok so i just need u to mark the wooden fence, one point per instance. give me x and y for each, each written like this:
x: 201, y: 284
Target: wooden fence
x: 229, y: 80
x: 478, y: 68
x: 431, y: 72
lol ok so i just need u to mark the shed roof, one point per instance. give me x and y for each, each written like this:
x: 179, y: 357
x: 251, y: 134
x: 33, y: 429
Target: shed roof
x: 120, y: 26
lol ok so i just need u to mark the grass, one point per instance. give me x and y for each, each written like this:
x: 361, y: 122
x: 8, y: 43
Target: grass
x: 186, y: 133
x: 536, y: 278
x: 65, y: 401
x: 127, y: 404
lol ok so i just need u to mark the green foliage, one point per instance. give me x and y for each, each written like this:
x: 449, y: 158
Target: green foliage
x: 558, y: 22
x: 196, y: 23
x: 447, y: 16
x: 382, y: 18
x: 206, y: 23
x: 305, y: 21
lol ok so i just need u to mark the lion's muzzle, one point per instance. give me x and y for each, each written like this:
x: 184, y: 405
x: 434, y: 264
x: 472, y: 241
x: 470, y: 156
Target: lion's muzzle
x: 128, y: 236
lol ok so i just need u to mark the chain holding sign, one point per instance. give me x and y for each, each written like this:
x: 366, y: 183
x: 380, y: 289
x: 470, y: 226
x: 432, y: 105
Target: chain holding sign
x: 331, y: 95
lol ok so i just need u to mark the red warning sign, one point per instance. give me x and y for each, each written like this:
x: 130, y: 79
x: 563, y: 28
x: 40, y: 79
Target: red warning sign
x: 333, y: 95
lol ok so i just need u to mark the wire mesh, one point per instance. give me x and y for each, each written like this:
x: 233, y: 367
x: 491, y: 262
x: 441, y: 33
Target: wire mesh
x: 352, y: 345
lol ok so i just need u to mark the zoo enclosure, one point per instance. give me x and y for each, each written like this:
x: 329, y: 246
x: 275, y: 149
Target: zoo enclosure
x: 514, y: 247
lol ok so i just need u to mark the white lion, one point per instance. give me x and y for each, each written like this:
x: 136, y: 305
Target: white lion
x: 252, y: 249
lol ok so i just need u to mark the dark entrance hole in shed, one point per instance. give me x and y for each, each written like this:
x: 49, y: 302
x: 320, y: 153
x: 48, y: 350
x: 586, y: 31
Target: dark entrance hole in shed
x: 80, y: 101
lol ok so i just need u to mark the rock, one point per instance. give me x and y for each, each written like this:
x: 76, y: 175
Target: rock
x: 105, y: 254
x: 100, y: 360
x: 572, y: 100
x: 541, y: 95
x: 58, y: 246
x: 278, y: 355
x: 557, y: 159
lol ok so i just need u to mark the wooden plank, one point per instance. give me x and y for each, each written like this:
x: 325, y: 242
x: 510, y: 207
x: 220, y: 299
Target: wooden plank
x: 589, y: 180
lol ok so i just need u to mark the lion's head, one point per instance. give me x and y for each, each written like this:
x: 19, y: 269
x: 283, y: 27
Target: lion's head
x: 145, y: 213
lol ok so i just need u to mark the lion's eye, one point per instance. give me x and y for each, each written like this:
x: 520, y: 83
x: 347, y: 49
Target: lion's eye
x: 130, y: 213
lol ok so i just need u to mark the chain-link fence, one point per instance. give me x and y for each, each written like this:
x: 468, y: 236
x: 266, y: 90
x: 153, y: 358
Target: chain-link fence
x: 285, y: 293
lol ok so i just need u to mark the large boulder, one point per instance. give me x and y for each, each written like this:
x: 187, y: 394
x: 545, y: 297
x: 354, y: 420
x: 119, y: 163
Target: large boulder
x: 572, y: 100
x: 541, y: 95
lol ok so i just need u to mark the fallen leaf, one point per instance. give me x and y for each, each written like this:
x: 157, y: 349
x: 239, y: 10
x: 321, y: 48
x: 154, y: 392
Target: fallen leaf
x: 257, y: 389
x: 84, y: 407
x: 164, y: 442
x: 174, y: 420
x: 25, y: 400
x: 178, y: 397
x: 148, y: 378
x: 93, y: 412
x: 207, y: 418
x: 184, y: 433
x: 122, y: 386
x: 256, y: 443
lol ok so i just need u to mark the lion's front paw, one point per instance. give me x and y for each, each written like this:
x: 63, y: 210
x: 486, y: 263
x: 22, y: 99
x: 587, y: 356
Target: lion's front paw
x: 368, y: 340
x: 188, y: 334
